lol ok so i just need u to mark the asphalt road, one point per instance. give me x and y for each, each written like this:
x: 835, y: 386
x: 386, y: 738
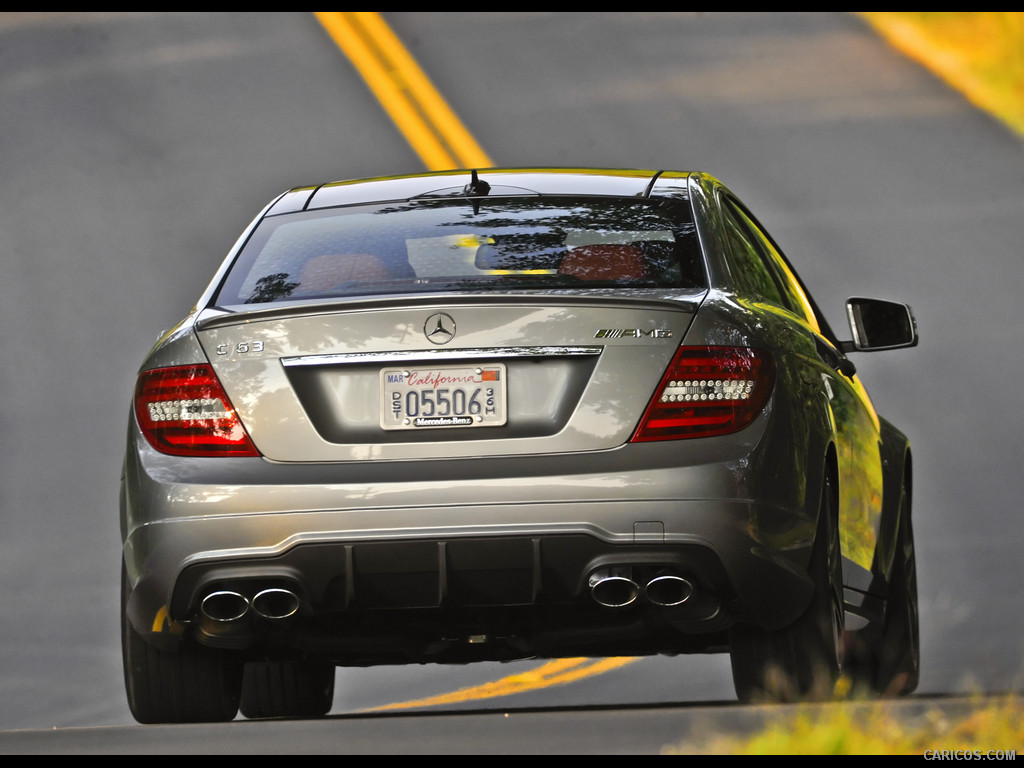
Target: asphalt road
x: 135, y: 147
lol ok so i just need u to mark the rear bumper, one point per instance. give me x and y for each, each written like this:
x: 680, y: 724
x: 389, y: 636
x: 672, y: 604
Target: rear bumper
x: 464, y: 549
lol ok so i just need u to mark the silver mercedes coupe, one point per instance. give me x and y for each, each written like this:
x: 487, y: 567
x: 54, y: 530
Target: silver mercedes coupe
x: 504, y: 414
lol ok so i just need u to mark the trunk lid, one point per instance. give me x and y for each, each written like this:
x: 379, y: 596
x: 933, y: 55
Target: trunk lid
x: 448, y: 376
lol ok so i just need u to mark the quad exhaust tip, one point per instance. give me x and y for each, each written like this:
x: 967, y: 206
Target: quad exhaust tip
x: 224, y: 606
x: 615, y: 588
x: 612, y: 590
x: 668, y: 590
x: 273, y: 603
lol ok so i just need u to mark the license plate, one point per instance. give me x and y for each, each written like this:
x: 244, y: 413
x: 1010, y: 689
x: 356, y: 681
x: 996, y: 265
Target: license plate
x: 442, y: 396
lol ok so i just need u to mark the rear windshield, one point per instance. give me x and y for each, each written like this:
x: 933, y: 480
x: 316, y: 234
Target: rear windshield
x: 494, y: 244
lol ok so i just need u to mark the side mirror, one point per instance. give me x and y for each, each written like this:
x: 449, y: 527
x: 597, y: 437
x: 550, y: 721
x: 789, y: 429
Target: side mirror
x: 878, y: 324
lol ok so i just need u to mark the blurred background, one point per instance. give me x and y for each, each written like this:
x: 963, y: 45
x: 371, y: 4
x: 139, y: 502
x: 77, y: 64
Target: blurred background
x: 135, y: 147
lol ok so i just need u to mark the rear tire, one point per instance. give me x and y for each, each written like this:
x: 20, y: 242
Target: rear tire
x: 287, y: 689
x: 192, y: 685
x: 886, y: 659
x: 803, y: 660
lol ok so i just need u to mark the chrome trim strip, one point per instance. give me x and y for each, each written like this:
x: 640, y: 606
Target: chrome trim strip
x: 373, y: 358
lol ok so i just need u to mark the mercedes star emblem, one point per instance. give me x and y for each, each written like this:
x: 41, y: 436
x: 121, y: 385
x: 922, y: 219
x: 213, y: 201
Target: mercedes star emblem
x: 439, y: 328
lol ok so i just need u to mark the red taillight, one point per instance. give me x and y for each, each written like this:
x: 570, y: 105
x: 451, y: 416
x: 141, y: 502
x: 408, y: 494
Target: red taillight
x: 184, y: 411
x: 708, y: 391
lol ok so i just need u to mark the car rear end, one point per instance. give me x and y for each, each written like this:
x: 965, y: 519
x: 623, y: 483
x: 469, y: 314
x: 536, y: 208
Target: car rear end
x: 450, y: 427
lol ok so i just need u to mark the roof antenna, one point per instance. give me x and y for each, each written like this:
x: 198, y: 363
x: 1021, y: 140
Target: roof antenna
x: 476, y: 189
x: 476, y: 186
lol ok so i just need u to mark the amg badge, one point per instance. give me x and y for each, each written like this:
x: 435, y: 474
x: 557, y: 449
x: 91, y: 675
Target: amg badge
x: 633, y: 333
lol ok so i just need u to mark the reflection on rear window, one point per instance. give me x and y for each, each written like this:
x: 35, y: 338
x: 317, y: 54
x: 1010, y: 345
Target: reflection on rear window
x: 501, y: 244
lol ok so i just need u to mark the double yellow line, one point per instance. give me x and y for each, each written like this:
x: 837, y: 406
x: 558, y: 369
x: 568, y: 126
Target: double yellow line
x: 442, y: 142
x: 406, y: 93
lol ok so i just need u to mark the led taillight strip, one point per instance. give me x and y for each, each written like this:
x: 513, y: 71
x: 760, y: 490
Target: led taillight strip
x: 708, y: 391
x: 184, y: 411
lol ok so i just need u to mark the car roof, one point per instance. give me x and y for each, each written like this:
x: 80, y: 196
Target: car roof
x: 501, y: 182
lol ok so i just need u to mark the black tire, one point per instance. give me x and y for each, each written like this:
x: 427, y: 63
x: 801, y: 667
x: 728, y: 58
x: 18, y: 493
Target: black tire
x: 287, y: 689
x: 802, y: 661
x: 193, y: 685
x: 886, y: 659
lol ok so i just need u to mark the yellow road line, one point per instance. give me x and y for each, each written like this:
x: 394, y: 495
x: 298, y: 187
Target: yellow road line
x: 442, y: 142
x: 406, y: 93
x: 557, y: 672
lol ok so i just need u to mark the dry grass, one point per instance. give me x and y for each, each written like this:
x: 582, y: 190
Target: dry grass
x: 874, y: 728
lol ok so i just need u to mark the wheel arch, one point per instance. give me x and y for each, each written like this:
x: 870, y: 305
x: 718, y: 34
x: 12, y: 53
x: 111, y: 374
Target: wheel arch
x: 822, y: 458
x: 897, y: 478
x: 830, y: 470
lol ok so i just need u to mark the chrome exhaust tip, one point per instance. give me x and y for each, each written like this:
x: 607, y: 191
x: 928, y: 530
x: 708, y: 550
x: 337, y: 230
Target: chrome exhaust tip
x: 612, y: 589
x: 275, y: 603
x: 224, y: 606
x: 667, y: 590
